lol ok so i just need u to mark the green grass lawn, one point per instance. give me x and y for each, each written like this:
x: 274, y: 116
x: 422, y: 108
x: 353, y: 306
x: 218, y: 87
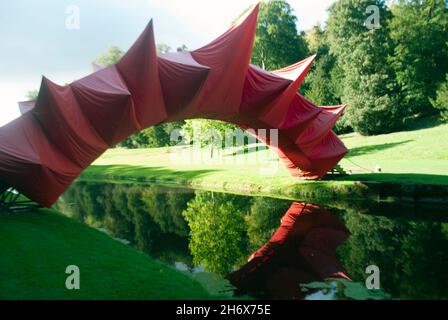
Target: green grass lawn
x: 418, y: 156
x: 36, y: 247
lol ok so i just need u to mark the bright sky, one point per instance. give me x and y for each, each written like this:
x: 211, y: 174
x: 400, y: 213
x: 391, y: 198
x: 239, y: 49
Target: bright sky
x: 35, y: 40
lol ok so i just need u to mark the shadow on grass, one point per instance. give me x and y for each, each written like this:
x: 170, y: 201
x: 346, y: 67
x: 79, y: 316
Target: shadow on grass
x: 398, y: 178
x: 422, y: 123
x: 374, y: 148
x: 145, y: 173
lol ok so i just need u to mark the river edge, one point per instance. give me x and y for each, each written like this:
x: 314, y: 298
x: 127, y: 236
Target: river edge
x: 330, y: 190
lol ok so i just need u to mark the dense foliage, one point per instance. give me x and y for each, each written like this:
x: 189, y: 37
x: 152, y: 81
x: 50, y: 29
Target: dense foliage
x: 278, y: 42
x: 368, y: 80
x: 419, y: 30
x: 441, y: 101
x: 387, y: 74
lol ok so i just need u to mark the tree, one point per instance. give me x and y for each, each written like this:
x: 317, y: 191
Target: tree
x: 419, y: 30
x: 369, y: 88
x: 163, y: 48
x: 182, y: 48
x: 277, y: 42
x: 204, y: 131
x: 318, y: 85
x: 111, y: 57
x: 441, y: 101
x: 32, y: 94
x: 323, y: 84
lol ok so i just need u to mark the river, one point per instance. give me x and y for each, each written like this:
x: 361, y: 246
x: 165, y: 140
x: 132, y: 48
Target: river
x: 271, y: 248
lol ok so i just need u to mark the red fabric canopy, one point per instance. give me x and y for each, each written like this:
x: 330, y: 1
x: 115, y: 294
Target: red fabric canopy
x: 68, y: 127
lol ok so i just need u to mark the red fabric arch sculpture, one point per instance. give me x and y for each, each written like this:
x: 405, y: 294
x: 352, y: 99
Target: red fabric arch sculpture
x: 68, y: 127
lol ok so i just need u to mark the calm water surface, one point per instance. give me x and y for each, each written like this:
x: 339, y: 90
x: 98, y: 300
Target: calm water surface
x: 273, y: 248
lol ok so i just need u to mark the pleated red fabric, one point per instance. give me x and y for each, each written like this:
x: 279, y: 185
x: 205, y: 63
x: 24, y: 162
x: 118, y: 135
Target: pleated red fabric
x: 68, y: 127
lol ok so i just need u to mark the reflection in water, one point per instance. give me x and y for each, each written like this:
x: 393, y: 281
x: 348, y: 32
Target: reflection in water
x: 199, y: 230
x: 217, y: 230
x: 302, y: 250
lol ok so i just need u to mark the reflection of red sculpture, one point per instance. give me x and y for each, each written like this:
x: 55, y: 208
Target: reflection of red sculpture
x: 68, y: 127
x: 301, y: 250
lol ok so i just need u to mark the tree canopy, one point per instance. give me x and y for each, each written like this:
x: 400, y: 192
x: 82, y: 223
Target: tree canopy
x: 277, y: 42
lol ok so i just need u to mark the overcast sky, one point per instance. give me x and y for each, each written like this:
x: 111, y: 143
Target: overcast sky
x: 35, y: 40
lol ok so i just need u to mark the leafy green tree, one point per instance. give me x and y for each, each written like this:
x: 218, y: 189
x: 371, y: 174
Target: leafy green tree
x: 322, y: 84
x: 369, y: 88
x: 277, y: 42
x: 182, y: 48
x: 419, y: 30
x: 204, y: 130
x: 32, y: 94
x: 111, y: 57
x: 215, y: 135
x: 163, y: 48
x: 441, y: 101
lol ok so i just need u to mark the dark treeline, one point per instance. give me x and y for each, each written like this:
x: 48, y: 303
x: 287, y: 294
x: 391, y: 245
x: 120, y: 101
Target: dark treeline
x: 219, y: 232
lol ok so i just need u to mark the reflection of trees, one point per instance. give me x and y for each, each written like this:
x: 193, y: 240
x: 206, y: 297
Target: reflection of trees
x: 166, y: 209
x: 425, y: 261
x: 217, y: 239
x: 140, y: 214
x: 264, y: 219
x: 225, y: 229
x: 411, y: 255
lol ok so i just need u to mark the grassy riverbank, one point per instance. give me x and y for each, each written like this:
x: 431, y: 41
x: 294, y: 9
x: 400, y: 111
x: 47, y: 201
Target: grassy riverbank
x: 409, y: 157
x: 417, y: 156
x: 36, y: 248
